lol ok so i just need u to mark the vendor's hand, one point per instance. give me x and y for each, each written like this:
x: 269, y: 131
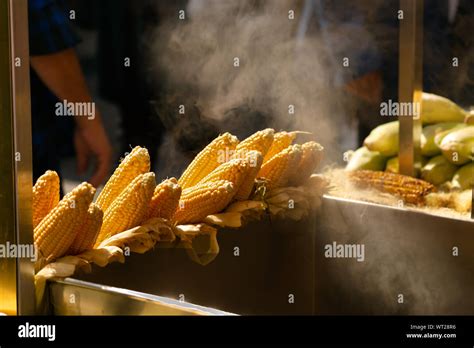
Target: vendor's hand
x: 90, y: 140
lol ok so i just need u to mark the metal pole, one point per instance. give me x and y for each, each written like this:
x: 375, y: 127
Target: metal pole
x: 17, y: 295
x: 8, y: 284
x: 23, y: 150
x: 410, y: 86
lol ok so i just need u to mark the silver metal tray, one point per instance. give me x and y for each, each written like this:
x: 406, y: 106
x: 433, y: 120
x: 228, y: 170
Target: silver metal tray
x: 75, y: 297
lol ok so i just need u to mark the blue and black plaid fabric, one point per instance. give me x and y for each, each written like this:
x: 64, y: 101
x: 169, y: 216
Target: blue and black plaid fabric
x: 50, y: 32
x: 49, y: 27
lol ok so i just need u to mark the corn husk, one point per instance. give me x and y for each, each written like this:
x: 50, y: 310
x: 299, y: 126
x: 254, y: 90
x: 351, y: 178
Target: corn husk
x: 392, y: 165
x: 363, y: 158
x: 427, y: 140
x: 441, y: 135
x: 438, y: 170
x: 470, y: 118
x: 138, y: 239
x: 437, y: 109
x: 293, y: 202
x: 199, y: 241
x: 458, y: 145
x: 384, y: 139
x: 464, y: 177
x: 460, y: 201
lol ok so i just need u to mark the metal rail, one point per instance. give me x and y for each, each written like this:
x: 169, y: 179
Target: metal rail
x: 410, y: 85
x: 16, y: 273
x: 95, y: 299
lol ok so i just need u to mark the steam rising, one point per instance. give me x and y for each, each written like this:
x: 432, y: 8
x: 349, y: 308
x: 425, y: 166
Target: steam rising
x: 398, y: 260
x: 275, y: 69
x: 196, y: 57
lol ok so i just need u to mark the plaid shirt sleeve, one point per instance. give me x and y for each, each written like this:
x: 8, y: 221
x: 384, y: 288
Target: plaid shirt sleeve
x: 49, y: 27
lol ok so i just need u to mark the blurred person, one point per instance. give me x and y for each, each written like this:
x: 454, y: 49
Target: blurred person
x: 367, y: 33
x: 56, y: 78
x: 124, y: 63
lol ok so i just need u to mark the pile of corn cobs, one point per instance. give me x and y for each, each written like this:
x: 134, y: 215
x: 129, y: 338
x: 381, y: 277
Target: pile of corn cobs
x: 225, y: 171
x: 447, y: 153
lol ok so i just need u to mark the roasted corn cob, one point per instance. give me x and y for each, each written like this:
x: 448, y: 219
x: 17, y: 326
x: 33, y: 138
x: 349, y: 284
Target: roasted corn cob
x: 310, y: 159
x: 255, y: 161
x: 57, y: 231
x: 204, y: 199
x: 208, y: 159
x: 165, y: 199
x: 260, y: 141
x: 88, y: 230
x: 45, y: 195
x: 129, y: 208
x: 281, y: 167
x: 281, y: 141
x: 136, y: 163
x: 409, y: 189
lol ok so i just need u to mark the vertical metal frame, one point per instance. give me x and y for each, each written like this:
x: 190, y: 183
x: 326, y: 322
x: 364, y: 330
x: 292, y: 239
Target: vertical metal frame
x: 7, y: 206
x: 23, y: 150
x: 17, y: 295
x: 410, y: 85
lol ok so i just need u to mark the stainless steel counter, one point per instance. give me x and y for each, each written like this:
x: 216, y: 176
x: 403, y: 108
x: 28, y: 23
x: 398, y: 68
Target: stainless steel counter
x: 407, y: 253
x: 264, y: 268
x: 281, y: 267
x: 75, y: 297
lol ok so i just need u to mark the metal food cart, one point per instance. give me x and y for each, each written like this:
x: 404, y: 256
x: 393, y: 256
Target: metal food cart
x: 280, y: 267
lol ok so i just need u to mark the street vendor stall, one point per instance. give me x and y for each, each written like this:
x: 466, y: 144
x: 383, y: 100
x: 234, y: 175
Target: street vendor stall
x: 253, y: 225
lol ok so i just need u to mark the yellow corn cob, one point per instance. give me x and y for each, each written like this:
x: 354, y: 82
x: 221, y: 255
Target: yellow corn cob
x: 312, y: 156
x: 136, y: 163
x: 88, y: 230
x: 281, y: 141
x: 260, y: 141
x: 57, y: 231
x: 234, y: 171
x: 45, y: 195
x: 204, y: 199
x: 411, y: 190
x: 255, y: 160
x: 281, y: 167
x: 129, y: 208
x: 208, y: 159
x: 165, y: 199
